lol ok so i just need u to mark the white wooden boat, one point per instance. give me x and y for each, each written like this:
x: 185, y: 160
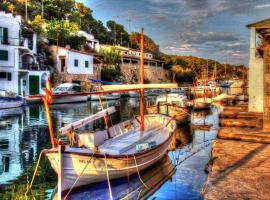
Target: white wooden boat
x: 223, y: 97
x: 10, y: 100
x: 119, y: 154
x: 201, y: 103
x: 172, y: 105
x: 68, y: 93
x: 112, y: 96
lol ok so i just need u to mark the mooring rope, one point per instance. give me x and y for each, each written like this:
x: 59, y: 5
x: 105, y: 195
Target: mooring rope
x: 35, y: 172
x: 77, y: 179
x: 108, y: 178
x: 128, y: 177
x: 139, y: 173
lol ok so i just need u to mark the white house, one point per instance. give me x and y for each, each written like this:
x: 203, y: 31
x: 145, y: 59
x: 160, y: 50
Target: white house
x: 91, y: 42
x: 75, y: 66
x: 74, y: 62
x: 19, y: 70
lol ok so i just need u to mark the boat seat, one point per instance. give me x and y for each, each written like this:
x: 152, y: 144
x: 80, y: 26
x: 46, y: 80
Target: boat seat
x: 123, y: 143
x: 91, y: 140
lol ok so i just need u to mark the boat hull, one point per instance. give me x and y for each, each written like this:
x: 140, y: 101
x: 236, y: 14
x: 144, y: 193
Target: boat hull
x: 180, y: 114
x: 105, y: 97
x: 10, y: 103
x: 69, y: 99
x: 92, y: 167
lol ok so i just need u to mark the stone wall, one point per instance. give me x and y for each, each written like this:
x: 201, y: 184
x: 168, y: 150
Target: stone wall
x: 83, y: 79
x: 130, y: 74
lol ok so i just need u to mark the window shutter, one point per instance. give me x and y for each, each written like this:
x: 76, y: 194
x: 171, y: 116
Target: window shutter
x: 9, y: 78
x: 5, y: 35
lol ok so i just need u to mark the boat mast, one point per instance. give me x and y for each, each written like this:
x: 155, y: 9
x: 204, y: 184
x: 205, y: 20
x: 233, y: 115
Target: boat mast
x: 142, y: 82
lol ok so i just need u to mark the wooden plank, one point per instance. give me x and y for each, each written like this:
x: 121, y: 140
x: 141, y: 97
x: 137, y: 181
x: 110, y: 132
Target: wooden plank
x: 82, y: 122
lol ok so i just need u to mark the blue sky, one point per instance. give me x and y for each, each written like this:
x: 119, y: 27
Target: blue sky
x: 212, y: 29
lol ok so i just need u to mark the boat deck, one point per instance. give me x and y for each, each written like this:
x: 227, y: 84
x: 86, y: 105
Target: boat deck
x: 126, y: 143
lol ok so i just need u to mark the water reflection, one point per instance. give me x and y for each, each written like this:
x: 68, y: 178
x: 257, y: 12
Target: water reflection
x: 23, y: 133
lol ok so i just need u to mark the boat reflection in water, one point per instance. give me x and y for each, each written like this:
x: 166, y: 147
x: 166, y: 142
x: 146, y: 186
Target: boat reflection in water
x: 129, y: 187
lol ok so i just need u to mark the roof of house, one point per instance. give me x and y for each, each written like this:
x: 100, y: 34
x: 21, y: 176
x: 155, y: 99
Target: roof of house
x: 260, y: 24
x: 262, y: 27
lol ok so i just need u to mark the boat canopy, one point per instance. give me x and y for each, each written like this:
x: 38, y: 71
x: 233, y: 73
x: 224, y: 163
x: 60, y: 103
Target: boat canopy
x: 82, y: 122
x: 138, y: 86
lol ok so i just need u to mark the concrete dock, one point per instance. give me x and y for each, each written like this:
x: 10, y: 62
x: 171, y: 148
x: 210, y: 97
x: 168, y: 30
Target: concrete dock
x: 240, y: 158
x: 241, y: 170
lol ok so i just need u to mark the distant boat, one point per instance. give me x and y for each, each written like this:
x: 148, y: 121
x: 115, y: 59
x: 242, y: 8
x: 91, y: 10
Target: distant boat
x: 172, y: 105
x: 200, y: 103
x: 68, y: 93
x: 10, y: 100
x: 112, y: 96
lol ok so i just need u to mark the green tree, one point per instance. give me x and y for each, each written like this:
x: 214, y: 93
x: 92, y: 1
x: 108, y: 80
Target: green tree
x: 117, y: 33
x: 111, y: 57
x: 61, y: 30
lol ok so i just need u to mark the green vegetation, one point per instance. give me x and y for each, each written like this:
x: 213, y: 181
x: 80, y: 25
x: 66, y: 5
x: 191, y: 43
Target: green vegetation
x: 63, y: 18
x: 189, y: 68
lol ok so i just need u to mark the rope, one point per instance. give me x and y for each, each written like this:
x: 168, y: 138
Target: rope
x: 73, y: 185
x: 108, y: 177
x: 139, y: 173
x: 128, y: 178
x: 35, y: 172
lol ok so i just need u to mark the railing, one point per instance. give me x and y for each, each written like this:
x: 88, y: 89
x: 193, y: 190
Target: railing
x: 32, y: 67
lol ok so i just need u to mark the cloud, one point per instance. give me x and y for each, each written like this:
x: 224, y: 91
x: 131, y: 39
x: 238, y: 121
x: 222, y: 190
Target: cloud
x: 204, y: 37
x: 261, y: 6
x: 184, y: 48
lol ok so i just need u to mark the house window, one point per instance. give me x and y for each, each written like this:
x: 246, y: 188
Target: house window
x: 76, y: 63
x: 5, y: 75
x: 4, y: 35
x: 86, y: 64
x: 3, y: 55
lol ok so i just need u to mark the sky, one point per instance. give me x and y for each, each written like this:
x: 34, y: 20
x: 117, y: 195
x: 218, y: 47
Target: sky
x: 213, y: 29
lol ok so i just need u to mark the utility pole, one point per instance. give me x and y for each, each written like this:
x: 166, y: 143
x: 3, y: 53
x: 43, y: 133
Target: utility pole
x: 26, y: 15
x: 42, y: 9
x: 115, y: 29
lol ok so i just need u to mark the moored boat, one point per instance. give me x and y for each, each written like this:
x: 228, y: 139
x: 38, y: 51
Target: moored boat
x: 112, y: 96
x: 118, y: 153
x: 10, y: 100
x: 200, y: 103
x: 172, y: 105
x: 68, y: 93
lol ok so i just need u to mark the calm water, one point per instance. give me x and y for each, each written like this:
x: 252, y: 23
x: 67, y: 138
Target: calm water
x: 23, y: 134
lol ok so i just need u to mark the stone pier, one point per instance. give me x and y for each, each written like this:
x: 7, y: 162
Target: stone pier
x: 241, y: 154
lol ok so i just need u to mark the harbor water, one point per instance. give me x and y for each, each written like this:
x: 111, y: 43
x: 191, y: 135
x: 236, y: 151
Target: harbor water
x: 24, y: 133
